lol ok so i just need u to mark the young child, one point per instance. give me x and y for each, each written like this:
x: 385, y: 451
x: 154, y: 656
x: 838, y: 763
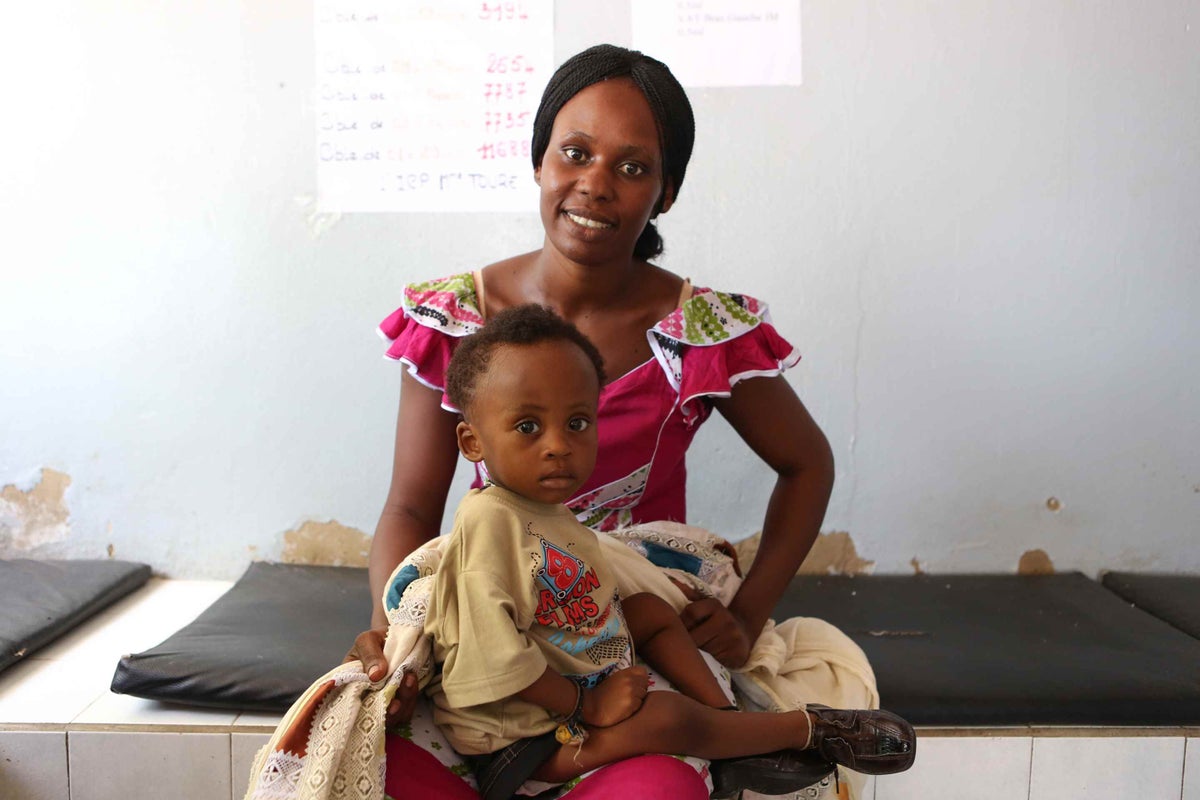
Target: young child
x: 536, y: 641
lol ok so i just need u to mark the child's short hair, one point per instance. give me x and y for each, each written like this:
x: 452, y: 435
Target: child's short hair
x: 519, y: 325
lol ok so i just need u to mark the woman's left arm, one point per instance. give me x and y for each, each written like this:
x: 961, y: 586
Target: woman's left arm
x: 770, y: 418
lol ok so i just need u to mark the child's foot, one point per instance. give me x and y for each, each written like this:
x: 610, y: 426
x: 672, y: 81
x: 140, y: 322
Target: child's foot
x: 871, y: 742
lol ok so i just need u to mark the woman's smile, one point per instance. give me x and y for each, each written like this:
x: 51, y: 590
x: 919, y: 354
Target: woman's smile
x: 589, y: 222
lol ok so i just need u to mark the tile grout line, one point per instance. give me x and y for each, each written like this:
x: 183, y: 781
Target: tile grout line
x: 1029, y: 783
x: 67, y: 750
x: 231, y: 794
x: 1183, y: 773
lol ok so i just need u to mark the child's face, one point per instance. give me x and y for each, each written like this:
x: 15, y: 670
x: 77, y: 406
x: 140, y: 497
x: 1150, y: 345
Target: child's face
x: 533, y: 420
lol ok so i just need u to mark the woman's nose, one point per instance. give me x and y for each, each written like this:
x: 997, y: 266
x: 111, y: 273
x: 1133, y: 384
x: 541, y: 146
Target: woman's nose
x: 596, y: 183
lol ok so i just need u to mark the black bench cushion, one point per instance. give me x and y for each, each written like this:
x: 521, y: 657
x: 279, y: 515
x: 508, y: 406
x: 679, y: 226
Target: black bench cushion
x: 260, y: 645
x: 42, y: 600
x: 995, y: 650
x: 1171, y: 598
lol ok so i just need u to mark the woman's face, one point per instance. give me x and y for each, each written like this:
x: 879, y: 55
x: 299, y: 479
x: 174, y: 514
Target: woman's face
x: 601, y: 174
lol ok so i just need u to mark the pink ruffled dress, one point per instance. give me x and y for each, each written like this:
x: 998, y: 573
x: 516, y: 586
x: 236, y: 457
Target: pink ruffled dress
x: 647, y: 417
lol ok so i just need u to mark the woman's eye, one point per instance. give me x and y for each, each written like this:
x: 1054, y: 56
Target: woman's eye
x: 633, y: 169
x: 573, y: 153
x: 579, y: 424
x: 527, y: 426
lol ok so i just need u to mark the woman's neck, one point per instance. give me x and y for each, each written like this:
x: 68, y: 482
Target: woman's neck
x: 574, y: 289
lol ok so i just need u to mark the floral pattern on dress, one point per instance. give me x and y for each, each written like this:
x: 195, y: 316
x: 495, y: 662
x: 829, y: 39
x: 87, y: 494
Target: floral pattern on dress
x: 707, y: 318
x: 600, y: 508
x: 446, y: 304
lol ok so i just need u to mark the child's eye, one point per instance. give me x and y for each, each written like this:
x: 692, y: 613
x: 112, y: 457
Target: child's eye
x: 527, y: 426
x: 579, y: 424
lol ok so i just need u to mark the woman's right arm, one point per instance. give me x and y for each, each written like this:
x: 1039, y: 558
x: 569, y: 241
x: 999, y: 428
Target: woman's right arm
x: 423, y: 463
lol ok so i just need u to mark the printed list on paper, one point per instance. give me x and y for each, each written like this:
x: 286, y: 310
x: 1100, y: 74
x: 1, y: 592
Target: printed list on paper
x: 429, y: 106
x: 722, y: 42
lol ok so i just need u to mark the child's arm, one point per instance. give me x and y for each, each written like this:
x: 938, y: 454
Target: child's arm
x: 615, y: 700
x: 662, y: 640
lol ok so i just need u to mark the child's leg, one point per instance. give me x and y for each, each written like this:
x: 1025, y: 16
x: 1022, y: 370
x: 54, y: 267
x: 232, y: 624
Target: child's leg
x: 661, y: 639
x: 672, y: 723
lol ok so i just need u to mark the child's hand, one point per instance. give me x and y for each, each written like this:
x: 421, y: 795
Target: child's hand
x: 617, y: 699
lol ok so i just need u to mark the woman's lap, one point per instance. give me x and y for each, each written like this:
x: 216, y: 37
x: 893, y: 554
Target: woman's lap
x: 421, y: 763
x: 654, y: 777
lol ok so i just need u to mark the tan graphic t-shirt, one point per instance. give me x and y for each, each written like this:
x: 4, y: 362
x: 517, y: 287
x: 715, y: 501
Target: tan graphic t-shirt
x: 521, y: 586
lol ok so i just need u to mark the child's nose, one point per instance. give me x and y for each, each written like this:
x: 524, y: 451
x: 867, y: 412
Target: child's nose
x: 557, y: 444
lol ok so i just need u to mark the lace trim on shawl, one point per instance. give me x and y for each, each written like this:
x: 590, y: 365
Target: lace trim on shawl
x: 280, y: 777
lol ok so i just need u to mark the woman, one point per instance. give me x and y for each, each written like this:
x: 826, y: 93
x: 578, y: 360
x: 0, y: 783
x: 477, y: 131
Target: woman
x: 612, y: 139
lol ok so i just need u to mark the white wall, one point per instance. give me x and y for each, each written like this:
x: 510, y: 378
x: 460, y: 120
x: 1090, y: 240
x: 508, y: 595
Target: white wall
x: 978, y: 220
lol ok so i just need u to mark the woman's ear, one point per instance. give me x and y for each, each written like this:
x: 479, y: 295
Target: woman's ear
x: 668, y: 197
x: 468, y: 443
x: 537, y: 174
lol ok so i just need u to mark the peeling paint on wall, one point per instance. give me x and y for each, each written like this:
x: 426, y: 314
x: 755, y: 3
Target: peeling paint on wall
x: 1035, y: 562
x: 318, y: 222
x: 832, y: 553
x: 30, y: 518
x: 327, y: 543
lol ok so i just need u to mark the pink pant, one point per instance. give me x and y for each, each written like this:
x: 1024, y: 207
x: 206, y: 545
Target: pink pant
x: 418, y: 774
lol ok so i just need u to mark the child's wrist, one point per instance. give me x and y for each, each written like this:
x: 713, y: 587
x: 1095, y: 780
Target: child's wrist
x: 570, y: 729
x: 587, y: 706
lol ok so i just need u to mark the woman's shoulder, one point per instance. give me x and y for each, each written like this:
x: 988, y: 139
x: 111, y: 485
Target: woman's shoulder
x: 716, y: 339
x: 711, y: 317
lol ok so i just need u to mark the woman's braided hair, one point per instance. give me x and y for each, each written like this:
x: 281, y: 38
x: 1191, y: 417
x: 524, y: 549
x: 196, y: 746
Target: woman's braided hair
x: 668, y: 102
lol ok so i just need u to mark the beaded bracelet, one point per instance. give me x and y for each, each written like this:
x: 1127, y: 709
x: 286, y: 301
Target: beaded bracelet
x: 570, y: 728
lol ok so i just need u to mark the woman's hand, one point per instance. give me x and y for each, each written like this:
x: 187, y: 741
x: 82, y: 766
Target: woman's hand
x: 714, y: 628
x: 368, y: 648
x: 717, y: 630
x: 617, y: 699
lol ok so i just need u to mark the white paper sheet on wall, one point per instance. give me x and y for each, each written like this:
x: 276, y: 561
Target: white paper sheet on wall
x: 722, y: 42
x: 428, y: 106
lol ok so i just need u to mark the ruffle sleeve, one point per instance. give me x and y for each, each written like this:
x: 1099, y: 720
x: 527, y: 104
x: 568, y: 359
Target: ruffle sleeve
x: 713, y: 341
x: 423, y: 333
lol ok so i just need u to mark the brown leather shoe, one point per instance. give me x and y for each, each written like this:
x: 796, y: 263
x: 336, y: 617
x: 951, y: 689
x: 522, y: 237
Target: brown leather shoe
x: 771, y: 774
x: 871, y: 742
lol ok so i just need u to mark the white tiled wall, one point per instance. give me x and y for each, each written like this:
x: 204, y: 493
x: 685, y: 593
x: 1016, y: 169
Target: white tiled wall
x: 1148, y: 768
x: 119, y: 765
x: 242, y: 749
x: 107, y: 765
x: 33, y: 765
x: 979, y: 768
x: 1191, y: 771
